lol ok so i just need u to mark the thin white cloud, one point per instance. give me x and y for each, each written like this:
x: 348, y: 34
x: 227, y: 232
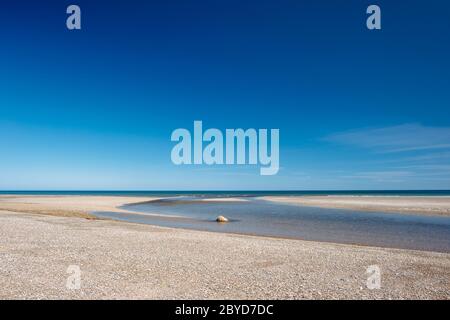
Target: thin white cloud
x: 380, y: 174
x: 419, y: 148
x: 430, y: 157
x: 436, y: 167
x: 407, y: 155
x: 400, y: 138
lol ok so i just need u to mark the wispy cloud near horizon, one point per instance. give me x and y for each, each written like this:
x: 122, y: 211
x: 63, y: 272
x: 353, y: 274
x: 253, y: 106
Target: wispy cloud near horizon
x: 399, y: 138
x: 400, y: 154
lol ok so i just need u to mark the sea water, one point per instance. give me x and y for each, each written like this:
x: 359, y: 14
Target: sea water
x: 253, y: 216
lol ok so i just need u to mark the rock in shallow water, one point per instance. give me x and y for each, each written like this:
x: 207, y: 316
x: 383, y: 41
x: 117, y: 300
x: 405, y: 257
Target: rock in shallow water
x: 221, y: 219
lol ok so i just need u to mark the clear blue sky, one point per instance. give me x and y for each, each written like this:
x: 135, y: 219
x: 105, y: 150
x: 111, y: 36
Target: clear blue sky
x: 94, y: 109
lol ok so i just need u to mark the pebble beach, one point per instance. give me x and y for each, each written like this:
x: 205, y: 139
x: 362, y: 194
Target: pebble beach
x: 121, y: 260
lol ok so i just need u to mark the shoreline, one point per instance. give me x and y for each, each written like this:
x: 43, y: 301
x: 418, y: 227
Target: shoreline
x: 83, y: 205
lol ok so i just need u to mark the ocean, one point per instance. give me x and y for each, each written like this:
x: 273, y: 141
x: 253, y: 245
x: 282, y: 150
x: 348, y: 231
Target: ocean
x: 226, y: 193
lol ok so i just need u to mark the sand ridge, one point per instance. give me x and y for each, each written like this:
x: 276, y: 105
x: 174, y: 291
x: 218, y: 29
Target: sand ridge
x: 398, y: 204
x: 67, y: 206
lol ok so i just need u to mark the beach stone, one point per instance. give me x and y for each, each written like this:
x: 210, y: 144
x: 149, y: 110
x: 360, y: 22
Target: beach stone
x: 221, y: 219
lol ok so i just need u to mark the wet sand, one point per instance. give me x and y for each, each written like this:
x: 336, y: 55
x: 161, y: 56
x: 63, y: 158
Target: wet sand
x: 125, y: 260
x: 397, y: 204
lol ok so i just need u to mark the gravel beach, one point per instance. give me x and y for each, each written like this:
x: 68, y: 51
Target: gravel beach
x: 122, y: 260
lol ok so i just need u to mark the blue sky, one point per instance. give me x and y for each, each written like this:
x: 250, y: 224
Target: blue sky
x: 95, y: 108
